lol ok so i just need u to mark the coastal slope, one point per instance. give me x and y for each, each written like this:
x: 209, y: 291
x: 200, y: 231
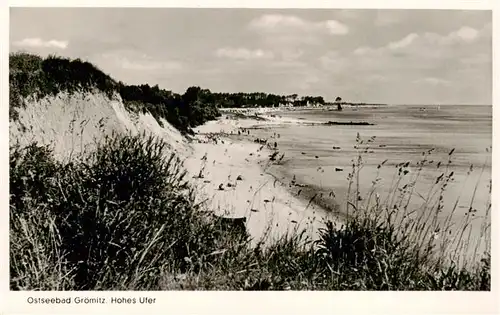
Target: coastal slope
x: 74, y: 123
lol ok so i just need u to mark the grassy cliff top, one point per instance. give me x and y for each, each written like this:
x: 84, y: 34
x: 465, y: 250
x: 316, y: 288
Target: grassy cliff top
x: 33, y: 76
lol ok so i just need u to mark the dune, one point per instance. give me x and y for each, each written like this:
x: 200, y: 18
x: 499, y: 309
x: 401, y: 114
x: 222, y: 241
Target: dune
x: 72, y: 124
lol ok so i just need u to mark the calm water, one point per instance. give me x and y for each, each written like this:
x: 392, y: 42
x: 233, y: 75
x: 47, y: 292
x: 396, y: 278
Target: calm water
x: 401, y: 134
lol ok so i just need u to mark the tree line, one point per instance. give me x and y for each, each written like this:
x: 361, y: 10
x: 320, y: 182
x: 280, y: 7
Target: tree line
x: 197, y: 105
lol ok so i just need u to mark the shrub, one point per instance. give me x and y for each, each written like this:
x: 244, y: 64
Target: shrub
x: 117, y: 219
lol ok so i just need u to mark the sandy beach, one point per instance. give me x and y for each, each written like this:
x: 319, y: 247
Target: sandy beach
x: 235, y: 183
x: 239, y: 180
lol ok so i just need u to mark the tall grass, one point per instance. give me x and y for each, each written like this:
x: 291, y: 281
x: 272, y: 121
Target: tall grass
x: 419, y: 234
x: 114, y: 220
x: 124, y: 218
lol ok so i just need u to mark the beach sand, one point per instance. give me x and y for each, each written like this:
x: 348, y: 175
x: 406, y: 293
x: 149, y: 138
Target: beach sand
x: 264, y: 195
x: 237, y: 165
x: 71, y: 124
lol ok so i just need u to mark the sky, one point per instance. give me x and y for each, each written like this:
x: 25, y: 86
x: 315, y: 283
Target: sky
x: 369, y: 55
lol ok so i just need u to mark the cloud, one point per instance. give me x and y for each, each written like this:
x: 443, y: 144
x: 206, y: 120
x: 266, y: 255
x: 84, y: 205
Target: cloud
x: 243, y: 53
x: 466, y: 34
x: 290, y: 24
x: 274, y: 22
x: 415, y: 62
x: 363, y: 50
x: 39, y: 43
x: 406, y: 41
x: 336, y: 28
x: 149, y: 65
x: 288, y: 37
x: 427, y: 45
x: 127, y: 60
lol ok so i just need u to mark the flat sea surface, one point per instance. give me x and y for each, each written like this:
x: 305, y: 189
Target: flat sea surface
x: 401, y: 134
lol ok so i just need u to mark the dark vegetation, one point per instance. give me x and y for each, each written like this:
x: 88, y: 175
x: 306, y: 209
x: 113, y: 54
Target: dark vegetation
x: 238, y: 100
x: 34, y: 76
x: 124, y: 218
x: 348, y: 123
x: 37, y: 77
x: 114, y: 220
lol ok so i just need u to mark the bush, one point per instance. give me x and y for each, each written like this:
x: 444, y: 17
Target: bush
x: 116, y: 220
x: 33, y: 76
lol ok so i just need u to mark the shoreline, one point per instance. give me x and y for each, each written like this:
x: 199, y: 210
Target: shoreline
x: 264, y: 110
x: 235, y: 182
x: 267, y: 196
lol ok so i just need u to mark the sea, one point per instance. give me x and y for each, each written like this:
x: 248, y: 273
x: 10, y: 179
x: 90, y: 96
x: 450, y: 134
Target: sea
x: 454, y: 141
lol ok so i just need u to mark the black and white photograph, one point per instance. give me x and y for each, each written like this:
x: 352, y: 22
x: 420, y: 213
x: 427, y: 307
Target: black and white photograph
x: 249, y: 149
